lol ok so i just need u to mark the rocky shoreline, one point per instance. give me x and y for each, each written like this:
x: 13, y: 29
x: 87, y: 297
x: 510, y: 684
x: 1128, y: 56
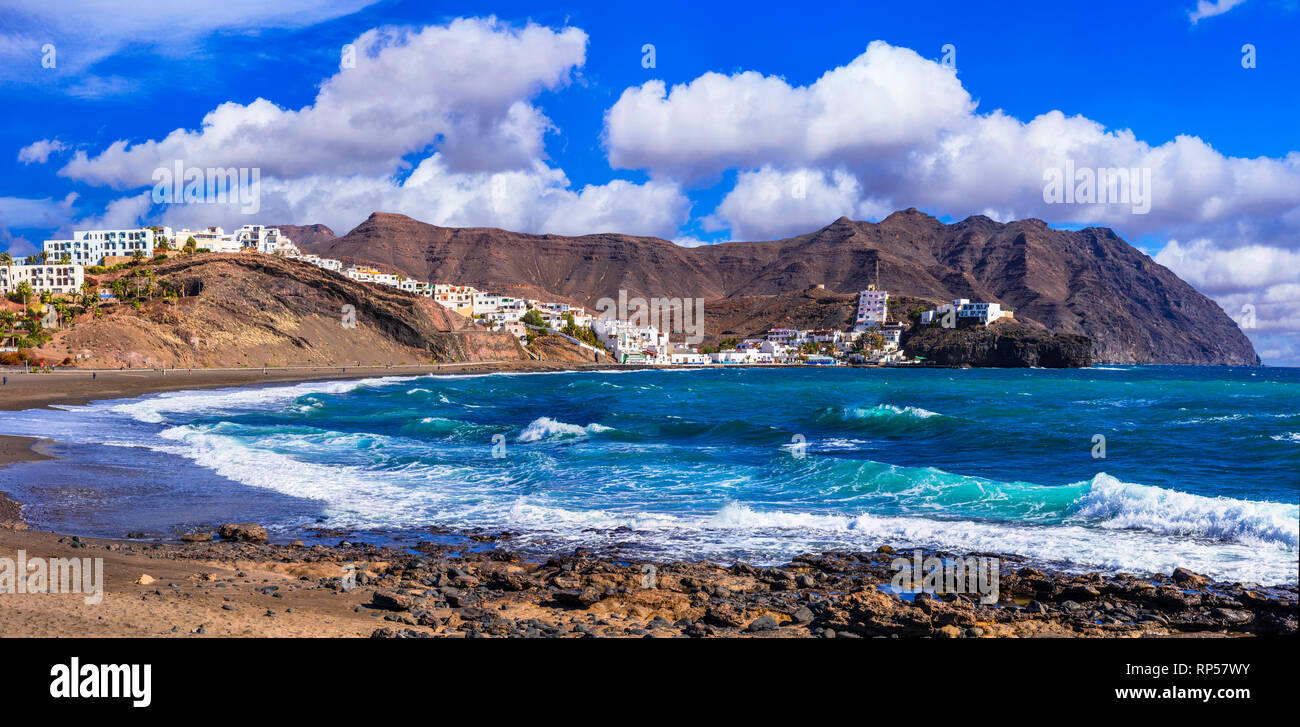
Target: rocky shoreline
x: 437, y: 589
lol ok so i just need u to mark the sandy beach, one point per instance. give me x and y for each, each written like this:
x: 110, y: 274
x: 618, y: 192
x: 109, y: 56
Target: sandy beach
x: 71, y: 387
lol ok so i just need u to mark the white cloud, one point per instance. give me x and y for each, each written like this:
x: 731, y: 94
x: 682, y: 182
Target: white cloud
x: 40, y: 213
x: 883, y: 103
x: 776, y: 203
x: 1216, y: 270
x: 1209, y: 9
x: 465, y: 85
x: 536, y: 199
x: 40, y: 151
x: 84, y: 32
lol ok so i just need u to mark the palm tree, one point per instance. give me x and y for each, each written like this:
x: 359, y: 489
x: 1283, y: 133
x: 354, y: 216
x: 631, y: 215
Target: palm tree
x: 24, y: 291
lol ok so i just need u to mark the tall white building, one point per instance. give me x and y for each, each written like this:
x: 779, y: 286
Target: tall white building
x: 872, y: 306
x: 90, y: 247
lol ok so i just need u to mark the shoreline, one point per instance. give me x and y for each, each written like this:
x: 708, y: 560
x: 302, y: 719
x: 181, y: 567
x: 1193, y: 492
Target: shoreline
x: 75, y: 387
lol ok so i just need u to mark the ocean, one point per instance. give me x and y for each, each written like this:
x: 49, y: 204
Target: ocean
x: 1111, y: 468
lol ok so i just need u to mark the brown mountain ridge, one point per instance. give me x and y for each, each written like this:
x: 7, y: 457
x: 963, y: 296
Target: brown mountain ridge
x: 1087, y: 281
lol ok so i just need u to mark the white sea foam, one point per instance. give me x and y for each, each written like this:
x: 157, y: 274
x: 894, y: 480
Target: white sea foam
x: 153, y: 408
x: 1110, y: 503
x: 546, y: 427
x: 1287, y: 437
x: 888, y: 410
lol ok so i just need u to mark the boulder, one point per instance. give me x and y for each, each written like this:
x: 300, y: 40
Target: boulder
x: 246, y: 532
x: 391, y: 601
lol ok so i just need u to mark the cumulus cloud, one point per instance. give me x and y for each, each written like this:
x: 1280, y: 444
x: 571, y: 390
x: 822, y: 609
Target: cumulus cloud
x: 883, y: 103
x: 40, y: 151
x: 465, y: 85
x: 39, y: 213
x: 777, y: 203
x: 536, y: 199
x: 1210, y: 8
x: 1216, y: 270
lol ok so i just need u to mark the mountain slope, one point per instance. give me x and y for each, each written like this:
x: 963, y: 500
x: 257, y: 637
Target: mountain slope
x: 251, y: 310
x: 1087, y: 282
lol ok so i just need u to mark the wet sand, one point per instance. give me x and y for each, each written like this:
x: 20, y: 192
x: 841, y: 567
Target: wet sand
x: 72, y: 387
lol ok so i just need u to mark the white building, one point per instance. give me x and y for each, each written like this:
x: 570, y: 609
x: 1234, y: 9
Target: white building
x: 212, y: 239
x: 58, y: 279
x: 631, y: 343
x: 983, y: 313
x: 418, y: 287
x: 370, y: 275
x: 323, y: 262
x: 266, y: 240
x: 459, y: 298
x: 90, y: 247
x: 872, y: 306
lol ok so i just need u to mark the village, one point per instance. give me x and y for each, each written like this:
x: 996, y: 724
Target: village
x: 49, y: 283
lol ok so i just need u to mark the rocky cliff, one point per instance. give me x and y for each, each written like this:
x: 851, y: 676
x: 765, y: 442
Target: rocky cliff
x: 1008, y: 344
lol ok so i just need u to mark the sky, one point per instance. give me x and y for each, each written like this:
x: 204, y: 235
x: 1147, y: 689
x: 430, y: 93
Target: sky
x: 696, y: 122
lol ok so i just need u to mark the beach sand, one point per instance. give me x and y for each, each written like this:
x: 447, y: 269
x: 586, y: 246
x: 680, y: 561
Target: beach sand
x: 71, y: 387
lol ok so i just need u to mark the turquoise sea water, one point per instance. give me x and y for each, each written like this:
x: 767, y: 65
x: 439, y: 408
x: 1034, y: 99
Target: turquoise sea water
x: 1201, y: 465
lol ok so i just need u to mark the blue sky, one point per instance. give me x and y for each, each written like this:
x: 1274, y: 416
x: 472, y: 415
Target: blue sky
x: 549, y: 120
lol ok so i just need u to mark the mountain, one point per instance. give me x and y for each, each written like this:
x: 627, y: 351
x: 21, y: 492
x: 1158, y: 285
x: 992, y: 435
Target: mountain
x: 306, y: 234
x: 250, y: 310
x: 1085, y: 282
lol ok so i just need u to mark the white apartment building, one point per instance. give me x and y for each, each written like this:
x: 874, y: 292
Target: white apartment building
x: 58, y: 279
x: 370, y: 275
x: 323, y: 262
x: 266, y: 240
x: 786, y: 336
x: 417, y: 286
x: 90, y: 247
x: 872, y: 305
x: 213, y: 239
x: 689, y: 358
x: 983, y: 313
x: 459, y: 298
